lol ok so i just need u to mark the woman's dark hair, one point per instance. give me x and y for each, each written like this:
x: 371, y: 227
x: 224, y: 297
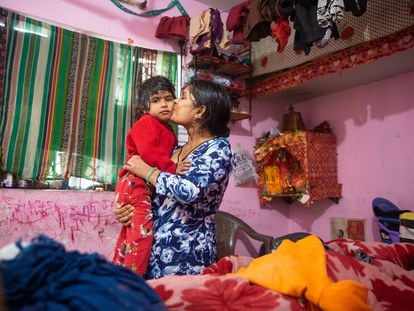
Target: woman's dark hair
x: 150, y: 87
x: 218, y: 105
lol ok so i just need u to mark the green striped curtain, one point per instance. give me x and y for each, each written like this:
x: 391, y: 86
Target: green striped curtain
x: 68, y: 100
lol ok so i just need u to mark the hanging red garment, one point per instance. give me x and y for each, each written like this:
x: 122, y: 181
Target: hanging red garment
x: 237, y: 19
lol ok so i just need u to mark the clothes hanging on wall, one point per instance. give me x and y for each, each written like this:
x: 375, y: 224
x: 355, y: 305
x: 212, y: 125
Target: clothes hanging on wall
x: 357, y: 7
x: 330, y: 11
x: 258, y: 21
x: 236, y: 19
x: 314, y: 21
x: 206, y: 30
x: 173, y: 27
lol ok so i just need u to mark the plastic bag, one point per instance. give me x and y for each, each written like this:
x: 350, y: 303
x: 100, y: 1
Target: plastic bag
x: 245, y: 170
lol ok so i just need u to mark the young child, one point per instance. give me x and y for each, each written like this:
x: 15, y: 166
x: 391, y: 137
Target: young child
x: 152, y: 138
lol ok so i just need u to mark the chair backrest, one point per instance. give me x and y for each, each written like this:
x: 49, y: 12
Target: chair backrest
x: 226, y: 228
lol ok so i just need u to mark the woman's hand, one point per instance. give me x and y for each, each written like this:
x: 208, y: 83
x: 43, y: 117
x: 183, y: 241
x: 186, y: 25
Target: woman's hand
x: 123, y: 213
x: 182, y: 167
x: 137, y: 166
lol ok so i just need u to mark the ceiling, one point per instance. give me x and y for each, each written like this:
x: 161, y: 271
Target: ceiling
x: 222, y: 5
x: 386, y: 67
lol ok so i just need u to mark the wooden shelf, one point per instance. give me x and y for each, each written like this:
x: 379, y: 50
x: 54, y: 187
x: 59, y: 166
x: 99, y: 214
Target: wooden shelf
x: 221, y: 67
x: 233, y: 69
x: 239, y: 115
x: 204, y: 62
x: 234, y: 93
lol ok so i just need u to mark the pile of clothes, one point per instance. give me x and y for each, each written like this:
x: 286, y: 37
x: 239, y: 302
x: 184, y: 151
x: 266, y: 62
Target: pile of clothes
x: 314, y: 23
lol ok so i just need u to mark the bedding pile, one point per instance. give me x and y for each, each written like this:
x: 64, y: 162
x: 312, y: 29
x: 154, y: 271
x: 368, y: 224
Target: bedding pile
x: 386, y: 270
x: 42, y: 275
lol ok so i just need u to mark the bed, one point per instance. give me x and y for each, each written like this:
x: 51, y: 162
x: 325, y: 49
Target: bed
x: 42, y: 275
x: 385, y: 269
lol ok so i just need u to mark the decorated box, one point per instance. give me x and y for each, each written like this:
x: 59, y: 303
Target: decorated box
x: 298, y: 165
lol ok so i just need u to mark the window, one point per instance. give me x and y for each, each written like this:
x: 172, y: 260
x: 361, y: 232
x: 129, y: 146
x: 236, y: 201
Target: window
x: 68, y: 101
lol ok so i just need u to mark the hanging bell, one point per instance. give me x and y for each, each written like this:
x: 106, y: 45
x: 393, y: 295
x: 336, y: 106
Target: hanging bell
x: 292, y: 121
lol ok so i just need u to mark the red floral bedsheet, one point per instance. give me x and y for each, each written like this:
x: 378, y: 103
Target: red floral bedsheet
x: 386, y: 269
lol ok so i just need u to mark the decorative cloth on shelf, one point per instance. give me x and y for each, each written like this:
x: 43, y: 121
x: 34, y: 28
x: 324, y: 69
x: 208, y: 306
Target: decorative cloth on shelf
x: 348, y: 58
x: 298, y: 163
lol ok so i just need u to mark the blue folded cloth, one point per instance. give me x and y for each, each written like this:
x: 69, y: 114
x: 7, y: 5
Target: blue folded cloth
x: 44, y: 276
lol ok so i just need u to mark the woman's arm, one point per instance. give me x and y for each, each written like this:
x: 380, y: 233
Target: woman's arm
x: 210, y: 167
x: 138, y: 167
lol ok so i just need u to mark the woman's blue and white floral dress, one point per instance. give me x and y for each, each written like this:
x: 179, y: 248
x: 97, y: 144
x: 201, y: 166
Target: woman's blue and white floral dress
x: 184, y: 208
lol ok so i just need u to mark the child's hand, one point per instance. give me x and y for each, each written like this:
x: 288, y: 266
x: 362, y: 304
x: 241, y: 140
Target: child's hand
x: 182, y: 167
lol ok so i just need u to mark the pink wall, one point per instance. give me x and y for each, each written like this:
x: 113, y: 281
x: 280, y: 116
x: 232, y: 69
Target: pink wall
x: 80, y: 220
x: 375, y: 130
x: 103, y: 18
x: 373, y: 123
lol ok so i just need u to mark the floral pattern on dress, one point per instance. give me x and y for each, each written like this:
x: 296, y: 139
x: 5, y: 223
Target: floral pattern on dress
x: 184, y: 208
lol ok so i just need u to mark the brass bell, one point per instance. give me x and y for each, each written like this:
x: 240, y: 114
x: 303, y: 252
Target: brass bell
x: 292, y: 121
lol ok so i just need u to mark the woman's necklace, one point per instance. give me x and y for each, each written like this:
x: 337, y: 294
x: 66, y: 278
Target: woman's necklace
x: 190, y: 149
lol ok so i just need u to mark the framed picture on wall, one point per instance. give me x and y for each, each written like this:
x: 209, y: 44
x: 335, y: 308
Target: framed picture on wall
x: 348, y: 228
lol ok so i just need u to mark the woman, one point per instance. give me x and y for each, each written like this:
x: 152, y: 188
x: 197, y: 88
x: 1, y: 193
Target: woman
x: 184, y: 206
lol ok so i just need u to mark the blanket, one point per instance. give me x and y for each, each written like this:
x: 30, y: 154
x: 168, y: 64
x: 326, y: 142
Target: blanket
x: 385, y: 269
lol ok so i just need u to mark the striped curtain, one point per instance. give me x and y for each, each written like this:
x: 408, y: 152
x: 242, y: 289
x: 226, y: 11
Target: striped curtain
x: 68, y: 100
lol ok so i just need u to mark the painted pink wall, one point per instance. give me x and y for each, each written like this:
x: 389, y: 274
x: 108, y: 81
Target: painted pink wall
x: 375, y: 134
x: 373, y: 124
x: 375, y: 130
x: 103, y: 18
x: 81, y: 220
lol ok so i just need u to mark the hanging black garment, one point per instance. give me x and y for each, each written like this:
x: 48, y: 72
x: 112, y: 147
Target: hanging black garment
x: 306, y: 25
x: 357, y: 7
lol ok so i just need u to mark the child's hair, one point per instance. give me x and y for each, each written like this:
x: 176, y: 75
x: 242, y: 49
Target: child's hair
x: 150, y: 87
